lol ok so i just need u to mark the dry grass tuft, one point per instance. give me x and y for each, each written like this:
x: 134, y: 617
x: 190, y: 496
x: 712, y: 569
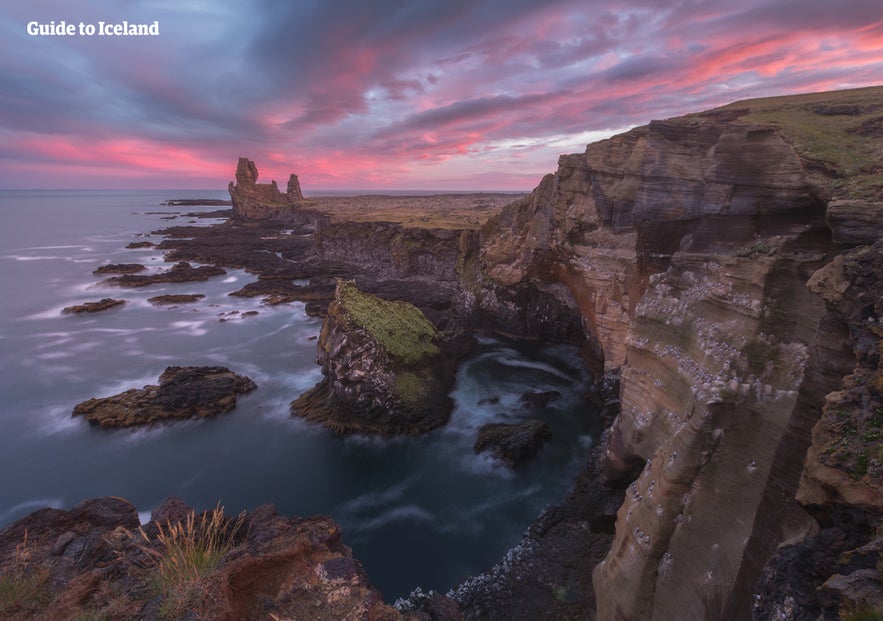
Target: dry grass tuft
x: 188, y: 553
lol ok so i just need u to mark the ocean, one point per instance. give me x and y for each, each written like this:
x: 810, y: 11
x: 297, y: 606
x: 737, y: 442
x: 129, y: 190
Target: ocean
x: 423, y: 511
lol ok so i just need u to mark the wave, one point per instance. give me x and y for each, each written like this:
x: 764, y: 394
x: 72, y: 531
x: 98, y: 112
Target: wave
x: 28, y: 506
x: 405, y: 513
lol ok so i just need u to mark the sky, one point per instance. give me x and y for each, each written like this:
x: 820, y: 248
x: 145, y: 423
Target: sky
x: 406, y: 94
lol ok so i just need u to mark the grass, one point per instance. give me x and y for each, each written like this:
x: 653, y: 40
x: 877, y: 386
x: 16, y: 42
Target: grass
x: 23, y: 588
x: 443, y: 211
x: 861, y: 613
x: 840, y: 130
x: 399, y: 327
x: 189, y: 551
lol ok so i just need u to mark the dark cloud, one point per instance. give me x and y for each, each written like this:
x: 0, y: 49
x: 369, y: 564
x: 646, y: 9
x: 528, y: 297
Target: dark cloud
x: 445, y: 81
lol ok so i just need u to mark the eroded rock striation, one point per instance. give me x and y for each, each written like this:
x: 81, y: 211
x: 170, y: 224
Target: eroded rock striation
x: 183, y: 392
x: 682, y: 251
x: 383, y: 368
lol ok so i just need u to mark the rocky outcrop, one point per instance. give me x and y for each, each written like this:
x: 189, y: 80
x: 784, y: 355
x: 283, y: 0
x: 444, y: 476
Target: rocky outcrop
x: 180, y: 272
x: 855, y: 222
x: 120, y: 268
x: 92, y: 307
x: 95, y: 561
x: 175, y: 298
x: 183, y: 392
x: 513, y: 443
x: 262, y: 201
x: 383, y: 368
x: 845, y: 462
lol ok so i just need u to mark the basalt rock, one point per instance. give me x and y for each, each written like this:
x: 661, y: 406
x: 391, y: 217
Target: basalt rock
x: 120, y: 268
x: 262, y: 201
x: 94, y: 561
x: 175, y: 298
x: 513, y: 443
x: 92, y: 307
x: 383, y: 366
x: 183, y: 392
x: 180, y: 272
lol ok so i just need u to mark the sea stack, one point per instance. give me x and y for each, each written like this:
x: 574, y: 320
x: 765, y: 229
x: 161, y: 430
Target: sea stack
x: 262, y: 201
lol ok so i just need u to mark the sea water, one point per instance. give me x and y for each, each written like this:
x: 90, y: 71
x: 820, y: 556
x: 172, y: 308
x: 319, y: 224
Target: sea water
x: 423, y: 511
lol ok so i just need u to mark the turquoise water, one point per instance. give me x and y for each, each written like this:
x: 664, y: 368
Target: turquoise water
x: 417, y: 511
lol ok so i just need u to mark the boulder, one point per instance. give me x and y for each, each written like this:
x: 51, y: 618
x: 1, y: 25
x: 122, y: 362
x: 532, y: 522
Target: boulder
x: 513, y: 443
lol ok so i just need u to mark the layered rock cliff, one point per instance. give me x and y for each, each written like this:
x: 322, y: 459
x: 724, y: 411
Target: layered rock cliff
x: 684, y: 248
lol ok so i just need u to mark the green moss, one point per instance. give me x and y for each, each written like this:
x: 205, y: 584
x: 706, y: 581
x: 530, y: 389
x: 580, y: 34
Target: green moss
x: 861, y: 466
x: 410, y: 388
x: 402, y: 330
x: 754, y: 249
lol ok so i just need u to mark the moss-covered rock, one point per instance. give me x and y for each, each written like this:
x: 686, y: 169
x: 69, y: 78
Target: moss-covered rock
x: 384, y: 368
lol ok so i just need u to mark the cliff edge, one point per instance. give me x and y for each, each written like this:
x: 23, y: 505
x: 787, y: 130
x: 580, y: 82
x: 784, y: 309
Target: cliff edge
x: 684, y: 248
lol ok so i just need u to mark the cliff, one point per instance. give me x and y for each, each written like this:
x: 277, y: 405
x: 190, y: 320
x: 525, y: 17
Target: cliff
x: 684, y: 249
x: 383, y: 368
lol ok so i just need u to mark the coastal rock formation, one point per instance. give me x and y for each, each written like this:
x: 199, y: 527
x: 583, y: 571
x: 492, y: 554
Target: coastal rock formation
x: 180, y: 272
x: 175, y: 298
x: 683, y: 249
x: 120, y: 268
x: 95, y: 561
x: 513, y: 443
x: 383, y: 368
x: 262, y: 201
x: 183, y: 392
x: 92, y: 307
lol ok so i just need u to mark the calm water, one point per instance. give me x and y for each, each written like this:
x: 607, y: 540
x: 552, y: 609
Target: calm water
x: 423, y: 511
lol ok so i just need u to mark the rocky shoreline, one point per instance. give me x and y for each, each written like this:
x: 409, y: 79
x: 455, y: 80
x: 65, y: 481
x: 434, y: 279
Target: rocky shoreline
x: 727, y: 277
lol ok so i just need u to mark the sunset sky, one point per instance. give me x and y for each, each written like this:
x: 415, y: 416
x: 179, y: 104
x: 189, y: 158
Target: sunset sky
x: 434, y: 94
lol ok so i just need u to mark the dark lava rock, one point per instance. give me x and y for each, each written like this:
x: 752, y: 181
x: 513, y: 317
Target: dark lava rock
x: 120, y: 268
x: 183, y: 392
x: 180, y: 272
x: 513, y: 443
x: 540, y: 399
x: 197, y: 202
x: 93, y: 307
x: 179, y: 298
x: 141, y: 244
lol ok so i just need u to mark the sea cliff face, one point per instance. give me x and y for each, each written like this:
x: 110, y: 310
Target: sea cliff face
x: 685, y: 248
